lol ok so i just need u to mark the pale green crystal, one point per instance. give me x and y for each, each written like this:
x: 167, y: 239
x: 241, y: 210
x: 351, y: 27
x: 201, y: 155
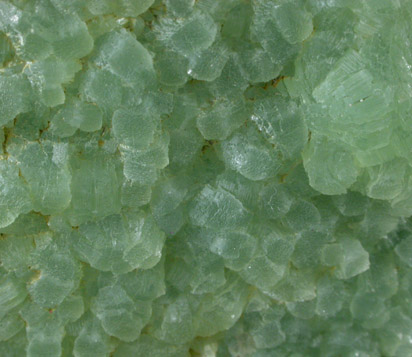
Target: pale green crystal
x: 10, y: 325
x: 91, y: 340
x: 205, y: 178
x: 189, y: 35
x: 15, y: 197
x: 207, y: 65
x: 217, y: 207
x: 76, y: 115
x: 119, y: 314
x: 221, y: 120
x: 15, y: 96
x: 133, y: 130
x: 127, y: 8
x: 46, y: 77
x: 58, y: 274
x: 95, y: 191
x: 119, y: 243
x: 44, y: 168
x: 254, y: 159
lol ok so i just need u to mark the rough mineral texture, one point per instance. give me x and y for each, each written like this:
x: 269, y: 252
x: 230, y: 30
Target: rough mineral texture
x: 210, y: 178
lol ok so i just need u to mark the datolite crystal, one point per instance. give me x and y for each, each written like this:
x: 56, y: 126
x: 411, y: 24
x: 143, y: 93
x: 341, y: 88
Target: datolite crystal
x: 210, y: 178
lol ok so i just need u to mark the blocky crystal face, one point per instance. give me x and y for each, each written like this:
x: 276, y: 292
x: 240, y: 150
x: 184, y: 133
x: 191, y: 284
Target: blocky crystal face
x: 205, y: 178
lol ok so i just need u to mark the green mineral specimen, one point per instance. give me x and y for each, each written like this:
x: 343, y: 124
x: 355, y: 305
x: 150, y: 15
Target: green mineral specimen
x: 211, y: 178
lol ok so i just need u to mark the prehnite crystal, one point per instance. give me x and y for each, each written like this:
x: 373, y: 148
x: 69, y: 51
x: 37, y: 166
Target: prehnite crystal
x: 207, y: 178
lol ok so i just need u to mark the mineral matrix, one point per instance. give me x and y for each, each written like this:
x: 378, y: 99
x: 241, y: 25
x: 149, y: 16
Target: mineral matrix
x: 214, y: 178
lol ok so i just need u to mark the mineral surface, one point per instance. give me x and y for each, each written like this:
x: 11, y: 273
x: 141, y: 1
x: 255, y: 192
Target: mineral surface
x: 210, y: 178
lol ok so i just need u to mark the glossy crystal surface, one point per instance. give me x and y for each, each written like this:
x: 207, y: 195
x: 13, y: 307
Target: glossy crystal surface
x: 205, y: 178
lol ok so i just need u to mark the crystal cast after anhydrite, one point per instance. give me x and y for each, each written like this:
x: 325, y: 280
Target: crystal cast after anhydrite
x: 206, y: 178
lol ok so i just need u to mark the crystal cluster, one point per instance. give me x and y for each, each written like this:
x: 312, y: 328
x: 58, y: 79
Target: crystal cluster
x: 207, y: 178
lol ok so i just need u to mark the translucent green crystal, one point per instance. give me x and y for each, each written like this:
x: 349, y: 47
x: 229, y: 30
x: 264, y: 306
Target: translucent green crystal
x: 205, y: 178
x: 15, y: 99
x: 15, y: 197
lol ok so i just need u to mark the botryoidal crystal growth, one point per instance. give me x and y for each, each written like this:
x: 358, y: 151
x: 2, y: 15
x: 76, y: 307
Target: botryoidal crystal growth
x: 211, y: 178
